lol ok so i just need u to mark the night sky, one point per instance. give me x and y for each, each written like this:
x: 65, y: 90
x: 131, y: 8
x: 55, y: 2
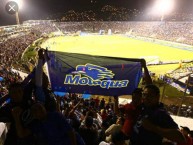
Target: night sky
x: 36, y: 9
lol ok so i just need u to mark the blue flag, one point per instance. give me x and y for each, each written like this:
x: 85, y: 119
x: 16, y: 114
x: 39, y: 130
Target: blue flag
x: 98, y: 75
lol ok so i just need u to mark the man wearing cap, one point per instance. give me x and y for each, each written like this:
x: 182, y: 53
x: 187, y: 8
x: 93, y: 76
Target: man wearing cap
x: 185, y: 131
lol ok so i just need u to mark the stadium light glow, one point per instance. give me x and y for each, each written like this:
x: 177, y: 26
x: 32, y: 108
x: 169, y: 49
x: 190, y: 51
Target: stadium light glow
x: 163, y: 7
x: 20, y: 3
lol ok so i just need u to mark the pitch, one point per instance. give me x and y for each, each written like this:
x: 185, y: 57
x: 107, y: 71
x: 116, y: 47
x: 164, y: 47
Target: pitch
x: 118, y: 46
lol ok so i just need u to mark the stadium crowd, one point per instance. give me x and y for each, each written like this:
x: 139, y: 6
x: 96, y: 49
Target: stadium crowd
x: 112, y: 13
x: 38, y: 117
x: 185, y: 111
x: 180, y: 32
x: 12, y: 49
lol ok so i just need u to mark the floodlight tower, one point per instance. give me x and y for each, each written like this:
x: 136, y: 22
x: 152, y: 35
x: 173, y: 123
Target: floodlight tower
x: 17, y: 18
x: 163, y: 7
x: 20, y: 4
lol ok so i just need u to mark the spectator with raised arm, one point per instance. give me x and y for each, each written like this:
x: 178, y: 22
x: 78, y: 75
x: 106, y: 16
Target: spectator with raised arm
x: 132, y: 110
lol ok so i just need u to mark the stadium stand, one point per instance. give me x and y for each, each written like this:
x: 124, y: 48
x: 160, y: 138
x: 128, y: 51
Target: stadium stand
x: 73, y: 111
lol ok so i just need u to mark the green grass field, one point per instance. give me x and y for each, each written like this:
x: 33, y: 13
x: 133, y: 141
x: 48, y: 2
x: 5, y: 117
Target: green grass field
x: 119, y: 46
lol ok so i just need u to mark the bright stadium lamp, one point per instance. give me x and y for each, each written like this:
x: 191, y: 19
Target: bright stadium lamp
x: 163, y: 7
x: 19, y: 3
x: 13, y: 7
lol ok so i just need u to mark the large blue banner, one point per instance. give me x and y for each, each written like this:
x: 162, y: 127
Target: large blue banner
x: 87, y: 74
